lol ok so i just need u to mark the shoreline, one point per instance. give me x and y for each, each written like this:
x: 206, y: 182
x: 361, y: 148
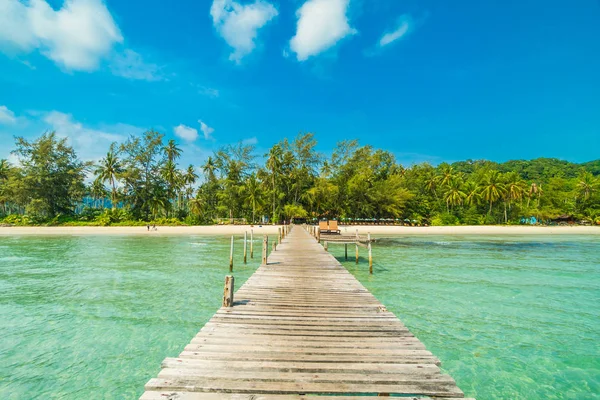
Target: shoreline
x: 497, y: 230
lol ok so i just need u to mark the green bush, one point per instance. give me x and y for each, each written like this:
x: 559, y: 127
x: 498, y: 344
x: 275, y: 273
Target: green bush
x: 444, y: 219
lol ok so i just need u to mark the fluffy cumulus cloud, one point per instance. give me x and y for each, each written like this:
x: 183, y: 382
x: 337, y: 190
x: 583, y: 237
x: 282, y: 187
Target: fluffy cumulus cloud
x: 206, y: 130
x: 89, y: 143
x: 402, y: 28
x: 7, y: 116
x: 186, y: 133
x: 239, y: 24
x: 321, y: 24
x: 76, y: 36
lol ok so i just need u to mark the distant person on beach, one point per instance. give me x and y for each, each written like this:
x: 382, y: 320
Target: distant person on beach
x: 154, y: 227
x: 148, y: 226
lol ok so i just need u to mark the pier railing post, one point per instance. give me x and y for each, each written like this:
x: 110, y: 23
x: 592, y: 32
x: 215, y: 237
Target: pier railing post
x: 264, y: 249
x: 231, y: 256
x: 319, y: 235
x: 228, y: 291
x: 325, y: 245
x: 251, y: 243
x: 346, y: 250
x: 357, y: 241
x: 274, y: 246
x: 280, y: 236
x: 370, y: 255
x: 246, y: 247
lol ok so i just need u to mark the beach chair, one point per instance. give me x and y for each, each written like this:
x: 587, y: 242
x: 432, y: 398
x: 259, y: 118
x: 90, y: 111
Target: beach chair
x: 333, y: 227
x: 323, y: 226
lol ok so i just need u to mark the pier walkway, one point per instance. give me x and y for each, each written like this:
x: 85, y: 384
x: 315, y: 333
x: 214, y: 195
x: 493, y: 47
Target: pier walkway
x: 302, y: 326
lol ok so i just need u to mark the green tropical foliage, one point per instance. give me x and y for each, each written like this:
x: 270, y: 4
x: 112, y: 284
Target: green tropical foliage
x: 141, y: 180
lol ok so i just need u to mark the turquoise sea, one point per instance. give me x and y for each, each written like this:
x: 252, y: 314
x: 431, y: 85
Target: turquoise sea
x: 87, y: 317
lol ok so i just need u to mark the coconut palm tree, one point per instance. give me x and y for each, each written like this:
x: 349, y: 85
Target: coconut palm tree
x: 4, y: 172
x: 158, y: 200
x: 98, y: 192
x: 431, y: 183
x: 274, y: 164
x: 447, y: 175
x: 515, y: 188
x: 172, y: 151
x: 493, y: 188
x: 189, y: 178
x: 110, y: 169
x: 253, y: 193
x: 453, y: 193
x: 472, y: 192
x: 587, y: 184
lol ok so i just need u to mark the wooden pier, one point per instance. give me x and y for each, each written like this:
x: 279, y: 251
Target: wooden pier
x: 302, y: 326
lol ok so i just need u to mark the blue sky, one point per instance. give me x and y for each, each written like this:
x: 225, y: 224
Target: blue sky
x: 428, y: 80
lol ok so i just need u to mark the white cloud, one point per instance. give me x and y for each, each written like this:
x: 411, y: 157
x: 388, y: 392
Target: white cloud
x: 206, y: 130
x: 7, y: 116
x: 89, y: 143
x: 130, y: 64
x: 250, y: 141
x: 210, y: 92
x: 76, y: 37
x: 403, y: 27
x: 321, y: 24
x: 239, y: 24
x: 186, y: 133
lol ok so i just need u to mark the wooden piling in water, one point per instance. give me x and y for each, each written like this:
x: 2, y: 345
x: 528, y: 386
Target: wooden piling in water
x: 357, y: 246
x: 370, y: 255
x: 264, y: 249
x: 251, y: 243
x: 346, y: 251
x: 231, y: 256
x: 246, y: 247
x: 228, y: 291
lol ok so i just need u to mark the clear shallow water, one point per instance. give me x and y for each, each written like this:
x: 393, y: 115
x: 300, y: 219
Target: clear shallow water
x: 93, y: 317
x: 510, y: 317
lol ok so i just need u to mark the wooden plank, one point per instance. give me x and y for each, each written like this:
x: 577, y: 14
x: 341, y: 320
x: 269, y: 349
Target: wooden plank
x: 256, y: 386
x: 171, y: 395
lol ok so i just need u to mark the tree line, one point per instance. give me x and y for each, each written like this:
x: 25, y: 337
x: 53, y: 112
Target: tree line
x: 141, y: 180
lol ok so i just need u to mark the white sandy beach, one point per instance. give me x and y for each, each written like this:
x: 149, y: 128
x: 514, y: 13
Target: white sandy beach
x: 272, y: 229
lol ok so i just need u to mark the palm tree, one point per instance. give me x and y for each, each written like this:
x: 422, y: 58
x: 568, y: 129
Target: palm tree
x: 253, y: 193
x: 172, y: 151
x: 170, y: 175
x: 209, y: 168
x: 472, y: 191
x: 189, y: 178
x: 197, y: 205
x: 158, y: 200
x: 110, y: 169
x: 4, y: 172
x: 274, y: 163
x: 493, y: 188
x: 586, y: 186
x: 514, y: 190
x: 453, y: 194
x: 431, y: 183
x: 98, y: 192
x: 447, y: 175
